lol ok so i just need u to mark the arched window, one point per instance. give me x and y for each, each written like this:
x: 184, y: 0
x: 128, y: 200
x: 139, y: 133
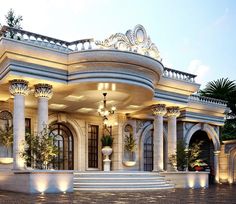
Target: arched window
x: 63, y: 139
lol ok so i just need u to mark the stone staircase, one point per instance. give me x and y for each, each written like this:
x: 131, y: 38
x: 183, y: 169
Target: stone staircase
x: 119, y: 181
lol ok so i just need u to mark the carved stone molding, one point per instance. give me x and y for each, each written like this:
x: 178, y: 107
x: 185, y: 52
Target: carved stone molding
x: 135, y: 40
x: 159, y: 109
x: 173, y: 111
x: 43, y: 91
x: 18, y: 87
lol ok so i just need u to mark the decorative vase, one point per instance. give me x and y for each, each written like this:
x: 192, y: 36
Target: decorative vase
x: 107, y: 150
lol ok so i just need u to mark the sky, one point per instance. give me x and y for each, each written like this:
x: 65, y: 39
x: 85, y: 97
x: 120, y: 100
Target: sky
x: 198, y: 36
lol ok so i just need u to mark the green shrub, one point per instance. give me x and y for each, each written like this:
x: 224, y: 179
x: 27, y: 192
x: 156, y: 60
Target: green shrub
x: 107, y: 140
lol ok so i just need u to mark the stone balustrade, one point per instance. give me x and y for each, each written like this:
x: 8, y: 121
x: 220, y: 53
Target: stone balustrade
x: 175, y: 74
x: 208, y: 100
x: 45, y: 41
x: 75, y: 46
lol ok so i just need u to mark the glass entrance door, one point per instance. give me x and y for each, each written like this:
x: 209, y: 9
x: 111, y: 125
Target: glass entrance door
x: 63, y: 139
x: 148, y: 151
x: 93, y: 146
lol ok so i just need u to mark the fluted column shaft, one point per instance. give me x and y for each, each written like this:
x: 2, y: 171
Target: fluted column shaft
x: 159, y: 111
x: 18, y: 88
x: 43, y: 92
x: 172, y: 114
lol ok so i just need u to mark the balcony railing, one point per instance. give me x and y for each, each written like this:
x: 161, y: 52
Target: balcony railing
x: 207, y: 100
x: 175, y: 74
x: 45, y: 41
x: 78, y: 45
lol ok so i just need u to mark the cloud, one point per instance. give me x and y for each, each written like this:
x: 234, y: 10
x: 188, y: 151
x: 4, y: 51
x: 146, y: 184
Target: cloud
x: 200, y: 69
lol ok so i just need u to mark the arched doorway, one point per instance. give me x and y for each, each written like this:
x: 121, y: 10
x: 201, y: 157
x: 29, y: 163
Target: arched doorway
x: 207, y: 147
x: 148, y: 151
x: 63, y: 139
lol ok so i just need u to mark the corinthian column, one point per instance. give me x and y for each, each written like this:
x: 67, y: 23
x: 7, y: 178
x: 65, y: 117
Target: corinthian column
x: 18, y: 88
x: 43, y: 92
x: 158, y: 111
x: 172, y: 114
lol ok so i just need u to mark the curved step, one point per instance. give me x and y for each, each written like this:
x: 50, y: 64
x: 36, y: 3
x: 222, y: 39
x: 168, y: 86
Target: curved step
x: 126, y: 189
x: 120, y: 181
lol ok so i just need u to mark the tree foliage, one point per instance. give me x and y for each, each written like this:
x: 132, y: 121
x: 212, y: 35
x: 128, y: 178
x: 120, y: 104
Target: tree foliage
x: 107, y: 140
x: 40, y: 150
x: 6, y: 136
x: 186, y: 157
x: 224, y: 89
x: 13, y: 21
x: 130, y: 145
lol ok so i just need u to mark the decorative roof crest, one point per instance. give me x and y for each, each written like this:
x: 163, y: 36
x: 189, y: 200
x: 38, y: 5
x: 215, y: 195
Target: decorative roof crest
x: 135, y: 40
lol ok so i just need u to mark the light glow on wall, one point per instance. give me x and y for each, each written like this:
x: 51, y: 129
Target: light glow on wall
x: 202, y: 182
x: 191, y: 182
x: 41, y: 185
x: 63, y: 185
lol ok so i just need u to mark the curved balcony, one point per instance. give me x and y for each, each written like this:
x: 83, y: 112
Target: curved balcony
x: 128, y: 62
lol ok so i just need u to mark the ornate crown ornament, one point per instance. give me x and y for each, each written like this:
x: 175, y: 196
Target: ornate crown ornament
x: 135, y: 40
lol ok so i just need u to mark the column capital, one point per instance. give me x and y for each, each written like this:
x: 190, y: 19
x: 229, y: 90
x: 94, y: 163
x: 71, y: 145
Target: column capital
x: 43, y: 91
x: 173, y: 111
x: 18, y: 87
x: 159, y: 109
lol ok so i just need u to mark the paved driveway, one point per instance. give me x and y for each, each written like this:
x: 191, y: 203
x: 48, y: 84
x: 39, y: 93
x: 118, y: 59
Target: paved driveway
x: 215, y: 194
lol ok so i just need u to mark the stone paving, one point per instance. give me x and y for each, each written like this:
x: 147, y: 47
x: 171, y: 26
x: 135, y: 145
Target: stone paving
x: 215, y: 194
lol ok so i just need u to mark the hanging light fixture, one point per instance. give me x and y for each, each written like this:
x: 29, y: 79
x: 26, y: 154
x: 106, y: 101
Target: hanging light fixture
x: 104, y: 111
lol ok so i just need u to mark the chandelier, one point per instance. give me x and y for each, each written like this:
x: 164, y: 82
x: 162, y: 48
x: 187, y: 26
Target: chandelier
x: 103, y: 111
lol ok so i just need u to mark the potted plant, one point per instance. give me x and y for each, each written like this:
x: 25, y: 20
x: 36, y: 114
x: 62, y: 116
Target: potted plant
x: 199, y: 165
x: 107, y: 142
x: 6, y: 139
x: 130, y: 147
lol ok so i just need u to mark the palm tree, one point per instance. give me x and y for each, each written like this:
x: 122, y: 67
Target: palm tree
x: 220, y: 89
x: 224, y: 89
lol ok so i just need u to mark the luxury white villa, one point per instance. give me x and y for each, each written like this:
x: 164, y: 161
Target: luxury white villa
x: 76, y: 87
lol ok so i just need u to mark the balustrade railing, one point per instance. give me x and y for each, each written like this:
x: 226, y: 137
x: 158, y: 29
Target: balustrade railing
x: 78, y: 45
x: 208, y: 100
x: 46, y: 41
x: 176, y: 74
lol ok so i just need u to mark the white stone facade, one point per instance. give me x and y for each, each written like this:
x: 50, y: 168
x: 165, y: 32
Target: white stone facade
x: 65, y: 86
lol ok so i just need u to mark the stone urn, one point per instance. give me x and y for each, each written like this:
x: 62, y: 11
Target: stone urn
x: 106, y: 151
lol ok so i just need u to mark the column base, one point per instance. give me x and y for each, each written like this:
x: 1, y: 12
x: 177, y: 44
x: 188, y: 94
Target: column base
x: 106, y: 165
